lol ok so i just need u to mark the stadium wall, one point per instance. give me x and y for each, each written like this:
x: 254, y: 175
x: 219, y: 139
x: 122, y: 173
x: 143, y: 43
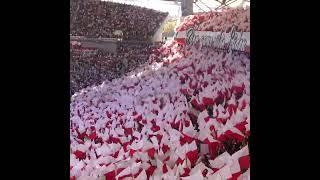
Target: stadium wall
x: 107, y: 44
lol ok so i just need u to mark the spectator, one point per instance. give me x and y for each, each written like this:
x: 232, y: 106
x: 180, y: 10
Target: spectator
x: 102, y: 19
x: 93, y: 66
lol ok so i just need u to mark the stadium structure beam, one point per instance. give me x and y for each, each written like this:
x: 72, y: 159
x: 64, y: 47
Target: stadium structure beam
x: 186, y: 7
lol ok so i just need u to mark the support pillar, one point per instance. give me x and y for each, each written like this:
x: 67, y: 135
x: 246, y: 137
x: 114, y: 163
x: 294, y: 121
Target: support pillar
x: 186, y: 7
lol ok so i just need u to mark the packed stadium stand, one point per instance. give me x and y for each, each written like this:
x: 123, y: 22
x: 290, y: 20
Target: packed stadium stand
x: 165, y: 111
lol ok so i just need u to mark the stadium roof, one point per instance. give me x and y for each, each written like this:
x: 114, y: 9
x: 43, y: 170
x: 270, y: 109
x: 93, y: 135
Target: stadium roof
x: 173, y: 7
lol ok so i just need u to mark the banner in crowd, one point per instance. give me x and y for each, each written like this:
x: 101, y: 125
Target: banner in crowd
x: 231, y: 41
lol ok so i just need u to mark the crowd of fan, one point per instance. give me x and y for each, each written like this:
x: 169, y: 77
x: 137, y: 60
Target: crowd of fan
x: 96, y: 19
x: 187, y: 120
x: 92, y: 66
x: 218, y: 21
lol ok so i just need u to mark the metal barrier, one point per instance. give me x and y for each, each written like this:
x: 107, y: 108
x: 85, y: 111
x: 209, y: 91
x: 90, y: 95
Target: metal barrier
x: 82, y: 38
x: 107, y: 44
